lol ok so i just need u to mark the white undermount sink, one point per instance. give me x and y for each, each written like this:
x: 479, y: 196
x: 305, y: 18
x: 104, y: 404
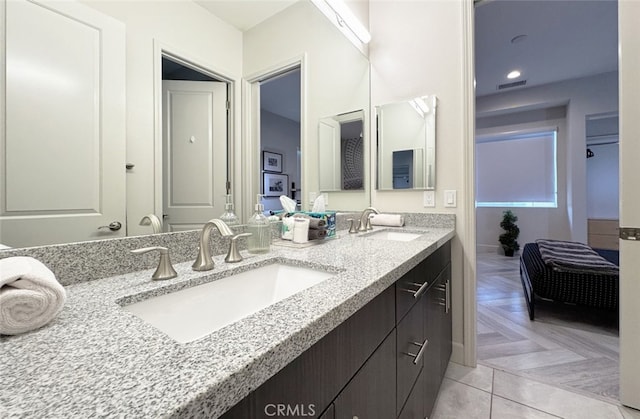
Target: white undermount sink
x: 401, y: 236
x: 192, y: 313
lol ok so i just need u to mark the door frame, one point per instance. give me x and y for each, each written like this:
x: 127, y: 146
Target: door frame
x: 160, y: 51
x: 250, y: 158
x: 469, y: 290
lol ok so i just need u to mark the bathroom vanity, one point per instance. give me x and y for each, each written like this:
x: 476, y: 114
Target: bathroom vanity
x: 387, y: 360
x: 356, y: 344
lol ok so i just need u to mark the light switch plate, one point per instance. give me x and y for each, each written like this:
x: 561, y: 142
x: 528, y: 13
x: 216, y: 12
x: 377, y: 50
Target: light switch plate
x: 429, y: 199
x: 312, y: 197
x: 450, y: 200
x: 326, y: 198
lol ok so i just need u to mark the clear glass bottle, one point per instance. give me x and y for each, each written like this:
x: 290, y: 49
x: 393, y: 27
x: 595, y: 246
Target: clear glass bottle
x: 229, y: 217
x: 260, y: 229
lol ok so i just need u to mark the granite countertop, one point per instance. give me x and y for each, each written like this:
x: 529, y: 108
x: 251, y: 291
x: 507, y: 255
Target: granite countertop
x: 96, y: 360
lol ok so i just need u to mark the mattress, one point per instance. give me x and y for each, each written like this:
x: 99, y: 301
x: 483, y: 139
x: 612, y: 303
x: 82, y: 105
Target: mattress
x: 595, y: 290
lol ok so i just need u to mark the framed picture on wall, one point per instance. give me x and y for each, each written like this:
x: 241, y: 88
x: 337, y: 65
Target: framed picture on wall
x: 271, y: 162
x: 275, y: 184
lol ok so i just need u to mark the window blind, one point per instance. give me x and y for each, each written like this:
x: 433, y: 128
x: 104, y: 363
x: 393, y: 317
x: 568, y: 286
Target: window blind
x: 517, y: 170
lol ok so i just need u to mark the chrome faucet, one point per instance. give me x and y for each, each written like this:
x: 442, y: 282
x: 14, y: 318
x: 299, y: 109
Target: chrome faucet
x: 204, y: 262
x: 365, y: 222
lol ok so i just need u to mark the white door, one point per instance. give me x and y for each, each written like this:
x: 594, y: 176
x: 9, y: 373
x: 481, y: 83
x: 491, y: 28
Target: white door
x: 62, y: 124
x: 629, y: 16
x: 329, y: 162
x: 194, y: 152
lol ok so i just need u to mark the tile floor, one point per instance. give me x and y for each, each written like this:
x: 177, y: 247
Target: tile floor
x: 563, y: 365
x: 572, y: 347
x: 488, y: 393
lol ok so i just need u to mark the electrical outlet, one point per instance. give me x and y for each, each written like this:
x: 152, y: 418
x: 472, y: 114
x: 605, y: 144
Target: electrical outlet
x: 429, y: 199
x: 450, y: 199
x: 312, y: 197
x: 326, y: 198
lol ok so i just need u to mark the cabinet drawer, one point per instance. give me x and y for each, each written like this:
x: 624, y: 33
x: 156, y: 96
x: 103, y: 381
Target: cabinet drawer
x: 414, y: 407
x: 410, y: 347
x: 316, y: 376
x: 411, y: 286
x: 371, y: 393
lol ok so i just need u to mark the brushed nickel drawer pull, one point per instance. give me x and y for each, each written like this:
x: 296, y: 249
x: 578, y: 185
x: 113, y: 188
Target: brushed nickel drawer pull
x: 421, y: 290
x: 448, y: 296
x: 418, y: 293
x: 422, y: 346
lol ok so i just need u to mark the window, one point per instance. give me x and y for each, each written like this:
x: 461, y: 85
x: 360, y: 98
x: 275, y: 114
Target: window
x: 517, y: 170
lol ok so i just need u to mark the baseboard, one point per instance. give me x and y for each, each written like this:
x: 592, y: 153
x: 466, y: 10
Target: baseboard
x: 457, y: 355
x: 487, y: 248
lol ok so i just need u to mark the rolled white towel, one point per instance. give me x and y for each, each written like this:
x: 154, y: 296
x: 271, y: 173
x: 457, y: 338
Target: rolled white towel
x: 389, y: 220
x: 30, y: 295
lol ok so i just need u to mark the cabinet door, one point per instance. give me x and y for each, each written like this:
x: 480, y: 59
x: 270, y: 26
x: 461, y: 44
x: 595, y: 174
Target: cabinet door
x: 330, y: 413
x: 410, y: 351
x: 431, y: 375
x: 371, y: 393
x: 446, y: 323
x: 318, y: 375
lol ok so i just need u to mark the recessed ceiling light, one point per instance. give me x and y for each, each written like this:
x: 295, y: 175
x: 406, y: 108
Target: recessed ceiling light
x: 518, y: 38
x: 513, y: 75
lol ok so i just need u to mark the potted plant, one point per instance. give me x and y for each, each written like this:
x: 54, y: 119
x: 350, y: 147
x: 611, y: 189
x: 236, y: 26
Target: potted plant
x: 508, y: 239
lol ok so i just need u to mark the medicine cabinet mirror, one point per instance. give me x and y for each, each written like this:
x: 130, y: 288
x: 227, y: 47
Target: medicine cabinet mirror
x: 407, y: 144
x: 342, y: 150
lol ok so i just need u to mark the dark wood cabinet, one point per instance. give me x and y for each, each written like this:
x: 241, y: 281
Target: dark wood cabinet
x: 414, y: 407
x: 330, y: 413
x: 370, y: 394
x: 385, y: 361
x: 438, y: 330
x: 318, y: 375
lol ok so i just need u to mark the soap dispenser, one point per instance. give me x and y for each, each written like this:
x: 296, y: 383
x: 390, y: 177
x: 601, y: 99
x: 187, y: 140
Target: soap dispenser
x: 229, y: 217
x: 260, y: 229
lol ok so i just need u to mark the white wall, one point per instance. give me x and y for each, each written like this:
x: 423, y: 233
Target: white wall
x: 335, y: 78
x: 187, y: 29
x: 417, y: 49
x: 280, y: 135
x: 603, y: 192
x: 585, y: 96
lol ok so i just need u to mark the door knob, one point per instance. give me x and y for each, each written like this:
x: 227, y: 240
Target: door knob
x: 113, y: 226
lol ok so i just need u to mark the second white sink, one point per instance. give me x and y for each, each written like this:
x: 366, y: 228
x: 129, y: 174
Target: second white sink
x: 401, y: 236
x: 195, y: 312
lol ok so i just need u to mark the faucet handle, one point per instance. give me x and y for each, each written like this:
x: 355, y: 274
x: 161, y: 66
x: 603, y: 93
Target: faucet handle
x: 352, y: 227
x: 165, y: 269
x: 368, y: 223
x: 234, y: 255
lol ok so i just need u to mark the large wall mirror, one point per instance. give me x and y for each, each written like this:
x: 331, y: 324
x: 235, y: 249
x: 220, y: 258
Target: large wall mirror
x: 407, y: 144
x: 335, y: 84
x: 60, y: 163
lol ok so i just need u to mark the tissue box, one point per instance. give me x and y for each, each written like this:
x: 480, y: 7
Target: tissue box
x: 328, y: 216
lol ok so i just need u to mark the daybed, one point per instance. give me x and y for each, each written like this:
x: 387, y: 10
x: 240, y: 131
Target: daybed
x: 593, y: 283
